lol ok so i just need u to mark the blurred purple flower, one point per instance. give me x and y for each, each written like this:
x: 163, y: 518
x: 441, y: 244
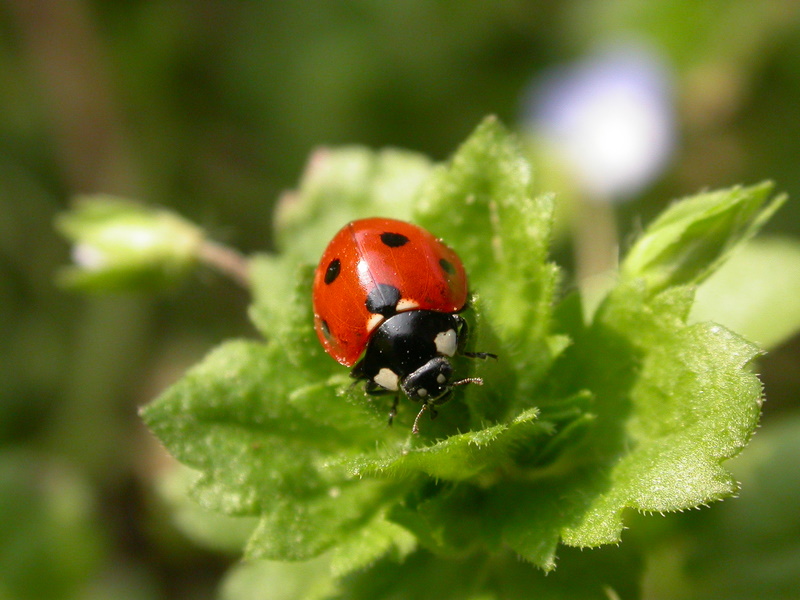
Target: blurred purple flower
x: 610, y: 116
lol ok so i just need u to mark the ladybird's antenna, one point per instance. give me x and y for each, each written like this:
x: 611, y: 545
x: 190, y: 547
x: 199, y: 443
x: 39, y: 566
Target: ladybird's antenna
x: 415, y: 428
x: 429, y: 405
x: 475, y: 380
x: 481, y: 355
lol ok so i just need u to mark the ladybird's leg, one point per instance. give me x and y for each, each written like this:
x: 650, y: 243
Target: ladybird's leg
x: 373, y: 389
x: 393, y: 410
x: 358, y: 376
x: 357, y: 371
x: 438, y: 402
x: 463, y: 335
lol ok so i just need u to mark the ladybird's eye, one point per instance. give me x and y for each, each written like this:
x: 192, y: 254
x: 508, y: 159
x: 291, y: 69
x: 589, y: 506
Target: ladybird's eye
x: 333, y: 270
x: 393, y: 240
x: 447, y: 266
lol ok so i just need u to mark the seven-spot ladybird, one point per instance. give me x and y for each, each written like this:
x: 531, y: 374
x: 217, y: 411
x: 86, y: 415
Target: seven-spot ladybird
x: 389, y: 292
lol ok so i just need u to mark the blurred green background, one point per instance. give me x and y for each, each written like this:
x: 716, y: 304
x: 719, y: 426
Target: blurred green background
x: 211, y: 108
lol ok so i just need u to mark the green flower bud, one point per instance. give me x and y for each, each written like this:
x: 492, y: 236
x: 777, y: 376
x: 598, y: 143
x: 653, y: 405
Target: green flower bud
x: 120, y: 245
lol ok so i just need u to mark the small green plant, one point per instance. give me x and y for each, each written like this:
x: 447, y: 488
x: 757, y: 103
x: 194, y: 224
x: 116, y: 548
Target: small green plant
x: 578, y: 422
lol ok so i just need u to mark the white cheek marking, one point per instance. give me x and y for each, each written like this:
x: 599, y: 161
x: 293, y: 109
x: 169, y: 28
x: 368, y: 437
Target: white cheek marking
x: 440, y: 378
x: 386, y: 378
x: 374, y: 321
x: 405, y: 304
x: 422, y: 392
x: 446, y: 342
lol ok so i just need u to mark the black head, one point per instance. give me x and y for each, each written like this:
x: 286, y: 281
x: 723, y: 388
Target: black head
x: 410, y: 352
x: 430, y: 382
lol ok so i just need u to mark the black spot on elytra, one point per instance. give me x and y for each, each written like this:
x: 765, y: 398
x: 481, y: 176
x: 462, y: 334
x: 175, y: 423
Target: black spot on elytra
x: 447, y: 266
x: 393, y: 240
x: 333, y: 270
x: 383, y: 299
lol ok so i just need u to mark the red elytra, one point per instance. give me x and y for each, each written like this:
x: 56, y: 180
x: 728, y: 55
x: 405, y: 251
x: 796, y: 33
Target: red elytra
x: 374, y: 268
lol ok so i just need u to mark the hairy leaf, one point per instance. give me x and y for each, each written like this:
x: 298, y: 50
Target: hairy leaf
x: 482, y: 202
x: 459, y: 457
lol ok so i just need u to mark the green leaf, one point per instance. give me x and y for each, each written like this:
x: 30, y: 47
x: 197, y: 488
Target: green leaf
x: 340, y: 185
x: 303, y: 524
x: 672, y: 402
x: 275, y: 291
x: 282, y: 311
x: 205, y: 527
x: 457, y: 458
x: 243, y: 418
x: 381, y: 538
x: 481, y: 202
x: 693, y: 237
x: 756, y: 293
x: 309, y: 580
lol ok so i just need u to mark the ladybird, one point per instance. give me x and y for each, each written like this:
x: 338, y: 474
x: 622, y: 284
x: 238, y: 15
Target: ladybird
x: 386, y: 300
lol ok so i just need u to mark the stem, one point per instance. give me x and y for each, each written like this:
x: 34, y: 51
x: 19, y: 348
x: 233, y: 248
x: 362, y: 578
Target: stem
x: 227, y: 261
x: 596, y: 252
x: 596, y: 240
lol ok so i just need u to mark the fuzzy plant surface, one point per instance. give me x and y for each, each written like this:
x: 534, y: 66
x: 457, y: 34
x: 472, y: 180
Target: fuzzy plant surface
x: 577, y: 422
